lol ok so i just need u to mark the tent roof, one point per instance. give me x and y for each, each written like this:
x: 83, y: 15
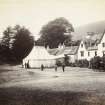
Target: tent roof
x: 39, y: 53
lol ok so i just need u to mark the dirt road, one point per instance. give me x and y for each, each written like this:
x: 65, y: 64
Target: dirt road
x: 73, y: 79
x: 75, y: 86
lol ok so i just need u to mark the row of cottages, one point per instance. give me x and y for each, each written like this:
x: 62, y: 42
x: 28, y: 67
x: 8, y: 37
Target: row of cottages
x: 93, y: 45
x: 62, y: 50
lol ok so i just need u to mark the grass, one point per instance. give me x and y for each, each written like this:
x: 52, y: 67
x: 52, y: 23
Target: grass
x: 21, y: 96
x: 53, y: 88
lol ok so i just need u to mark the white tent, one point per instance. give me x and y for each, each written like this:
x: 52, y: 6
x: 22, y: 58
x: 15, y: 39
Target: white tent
x: 39, y: 56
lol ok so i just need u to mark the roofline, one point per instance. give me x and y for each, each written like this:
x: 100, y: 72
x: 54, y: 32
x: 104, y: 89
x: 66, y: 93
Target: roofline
x: 102, y: 37
x: 83, y: 43
x: 92, y: 49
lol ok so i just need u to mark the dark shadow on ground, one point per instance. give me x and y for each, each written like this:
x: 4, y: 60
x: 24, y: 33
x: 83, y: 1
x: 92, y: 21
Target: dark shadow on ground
x: 16, y: 76
x: 21, y: 96
x: 6, y: 70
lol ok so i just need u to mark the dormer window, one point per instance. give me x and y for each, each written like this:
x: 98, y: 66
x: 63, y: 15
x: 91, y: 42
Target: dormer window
x: 88, y: 53
x: 95, y: 53
x: 103, y: 44
x: 103, y: 53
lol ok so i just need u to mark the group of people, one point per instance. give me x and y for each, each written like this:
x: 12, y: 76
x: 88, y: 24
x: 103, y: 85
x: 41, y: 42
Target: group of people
x: 56, y: 66
x: 42, y: 66
x: 63, y: 67
x: 27, y: 65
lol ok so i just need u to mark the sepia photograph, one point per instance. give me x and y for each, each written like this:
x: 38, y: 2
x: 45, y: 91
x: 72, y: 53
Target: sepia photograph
x: 52, y: 52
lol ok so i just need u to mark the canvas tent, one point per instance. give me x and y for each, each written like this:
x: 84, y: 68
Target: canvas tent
x: 39, y: 56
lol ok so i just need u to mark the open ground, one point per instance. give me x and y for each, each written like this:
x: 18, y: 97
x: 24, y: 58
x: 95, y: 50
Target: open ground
x: 75, y: 86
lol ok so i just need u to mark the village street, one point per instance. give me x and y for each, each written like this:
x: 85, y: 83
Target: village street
x: 73, y: 79
x: 20, y: 83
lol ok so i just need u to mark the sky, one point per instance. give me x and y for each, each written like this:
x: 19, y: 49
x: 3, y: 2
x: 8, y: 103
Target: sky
x: 33, y: 14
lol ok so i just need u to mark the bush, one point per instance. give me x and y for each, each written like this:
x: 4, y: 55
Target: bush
x: 102, y: 63
x: 95, y: 62
x: 72, y: 64
x: 98, y: 63
x: 82, y: 63
x: 59, y: 63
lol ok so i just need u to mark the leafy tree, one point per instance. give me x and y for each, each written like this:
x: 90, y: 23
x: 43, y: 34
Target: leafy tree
x: 8, y: 35
x: 23, y: 43
x: 53, y: 33
x: 16, y: 43
x: 69, y: 42
x: 6, y: 43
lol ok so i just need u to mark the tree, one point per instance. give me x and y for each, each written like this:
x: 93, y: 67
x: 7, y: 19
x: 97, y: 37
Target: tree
x: 6, y: 43
x: 69, y: 42
x: 53, y: 33
x: 16, y: 43
x: 23, y: 43
x: 8, y: 35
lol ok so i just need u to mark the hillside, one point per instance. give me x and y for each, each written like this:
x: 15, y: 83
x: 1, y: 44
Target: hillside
x: 81, y: 32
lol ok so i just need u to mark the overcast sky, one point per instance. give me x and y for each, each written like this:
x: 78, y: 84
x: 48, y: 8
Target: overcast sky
x: 35, y: 13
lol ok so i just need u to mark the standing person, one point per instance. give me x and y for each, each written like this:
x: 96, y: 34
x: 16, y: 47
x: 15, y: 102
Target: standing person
x: 25, y: 65
x: 28, y: 64
x: 55, y: 67
x: 63, y: 67
x: 22, y: 65
x: 42, y: 67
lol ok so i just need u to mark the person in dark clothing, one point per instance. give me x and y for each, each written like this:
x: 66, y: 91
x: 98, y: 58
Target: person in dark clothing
x: 42, y: 67
x: 28, y: 64
x: 25, y: 65
x: 55, y: 67
x: 63, y: 67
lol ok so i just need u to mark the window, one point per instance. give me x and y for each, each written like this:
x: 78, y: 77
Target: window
x: 103, y: 44
x: 103, y: 53
x: 81, y: 45
x: 82, y: 53
x: 95, y: 53
x: 88, y: 53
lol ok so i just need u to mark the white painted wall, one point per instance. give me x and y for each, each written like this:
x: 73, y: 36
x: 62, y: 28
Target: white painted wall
x: 82, y: 49
x: 72, y: 58
x: 100, y: 47
x: 92, y: 54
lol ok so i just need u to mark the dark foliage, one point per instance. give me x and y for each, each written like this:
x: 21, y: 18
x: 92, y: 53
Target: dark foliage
x: 53, y: 33
x: 23, y: 96
x: 95, y: 62
x: 66, y: 60
x: 23, y: 44
x: 98, y: 63
x: 82, y: 63
x: 16, y: 44
x: 59, y: 63
x: 69, y: 42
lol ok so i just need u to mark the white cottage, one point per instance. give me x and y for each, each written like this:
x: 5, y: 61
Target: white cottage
x: 71, y: 52
x: 82, y: 51
x: 60, y: 52
x: 101, y: 46
x: 91, y: 47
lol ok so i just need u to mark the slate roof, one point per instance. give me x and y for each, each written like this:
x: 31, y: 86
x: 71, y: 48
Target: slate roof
x: 53, y: 51
x: 90, y: 44
x: 66, y: 50
x: 92, y: 41
x: 71, y: 50
x: 92, y: 48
